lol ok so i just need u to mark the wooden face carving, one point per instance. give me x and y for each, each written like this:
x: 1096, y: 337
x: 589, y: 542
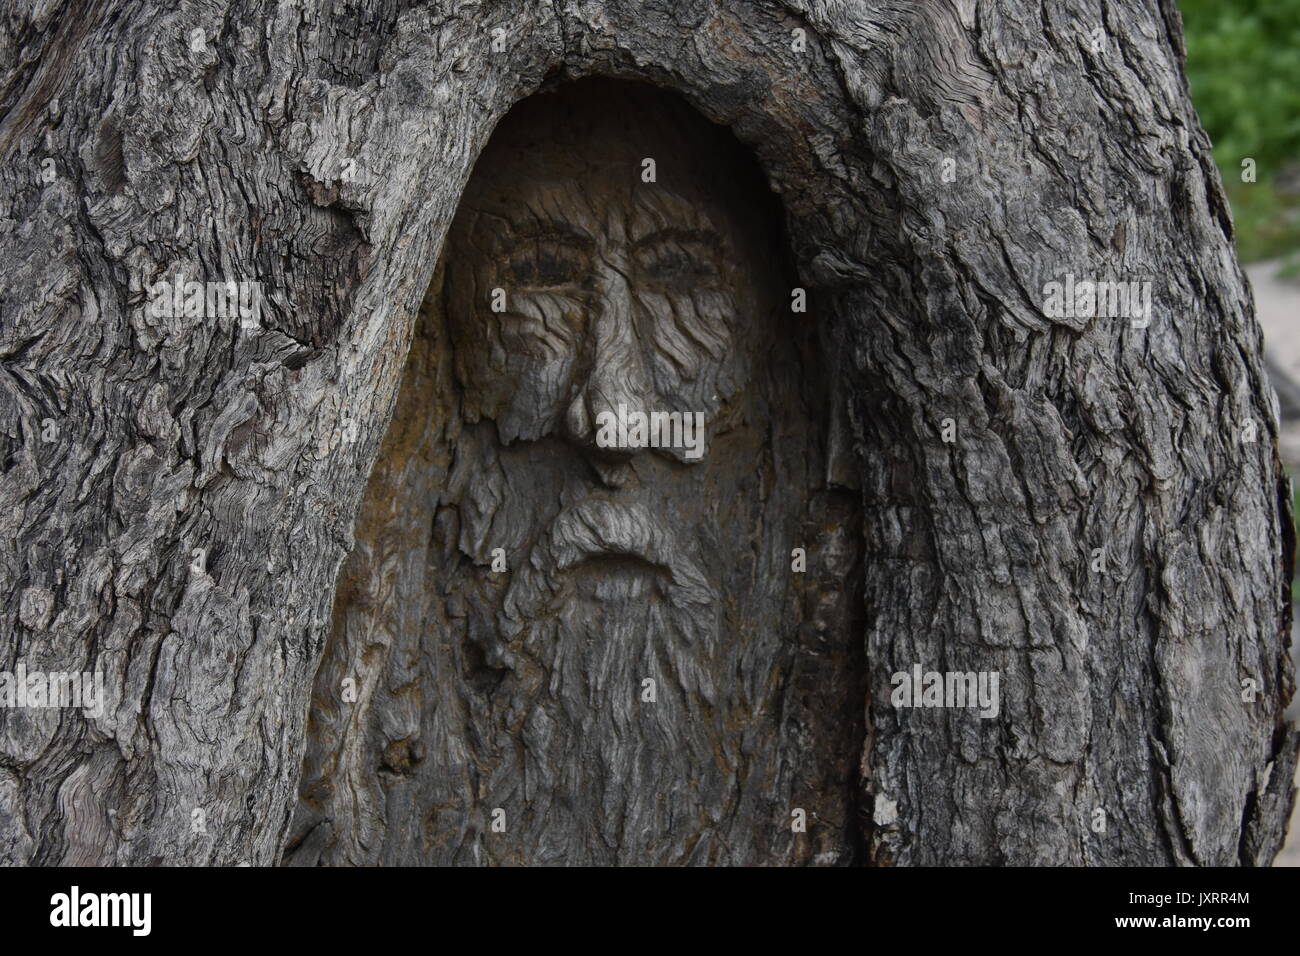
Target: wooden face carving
x: 607, y: 642
x: 577, y: 286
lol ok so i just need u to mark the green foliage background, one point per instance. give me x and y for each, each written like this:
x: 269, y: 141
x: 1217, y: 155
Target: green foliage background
x: 1243, y: 64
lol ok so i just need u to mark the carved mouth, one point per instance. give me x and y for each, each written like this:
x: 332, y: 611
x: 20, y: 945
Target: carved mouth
x: 613, y: 563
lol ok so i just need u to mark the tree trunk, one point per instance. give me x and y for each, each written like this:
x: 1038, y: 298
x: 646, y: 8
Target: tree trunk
x: 1092, y: 508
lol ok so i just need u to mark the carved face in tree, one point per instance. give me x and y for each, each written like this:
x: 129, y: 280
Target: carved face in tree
x: 605, y: 643
x: 579, y: 286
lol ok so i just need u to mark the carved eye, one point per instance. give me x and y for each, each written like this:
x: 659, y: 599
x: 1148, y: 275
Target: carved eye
x: 678, y: 261
x: 548, y: 263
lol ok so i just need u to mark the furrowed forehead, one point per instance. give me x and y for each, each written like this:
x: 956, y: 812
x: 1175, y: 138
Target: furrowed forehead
x: 538, y: 206
x: 654, y: 211
x: 582, y: 210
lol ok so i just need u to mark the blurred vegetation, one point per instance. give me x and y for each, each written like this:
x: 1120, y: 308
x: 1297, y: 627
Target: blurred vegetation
x: 1243, y: 64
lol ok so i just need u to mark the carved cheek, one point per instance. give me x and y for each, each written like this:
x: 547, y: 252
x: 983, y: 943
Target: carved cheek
x: 691, y: 343
x: 537, y: 329
x: 537, y: 351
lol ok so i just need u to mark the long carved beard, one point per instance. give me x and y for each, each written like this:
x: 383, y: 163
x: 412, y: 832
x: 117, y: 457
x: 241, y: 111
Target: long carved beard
x: 609, y: 632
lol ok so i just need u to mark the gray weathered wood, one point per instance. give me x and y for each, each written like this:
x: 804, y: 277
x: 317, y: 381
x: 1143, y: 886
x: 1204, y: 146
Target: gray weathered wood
x: 322, y: 151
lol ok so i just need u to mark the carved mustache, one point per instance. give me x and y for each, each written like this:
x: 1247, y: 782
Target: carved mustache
x: 599, y: 527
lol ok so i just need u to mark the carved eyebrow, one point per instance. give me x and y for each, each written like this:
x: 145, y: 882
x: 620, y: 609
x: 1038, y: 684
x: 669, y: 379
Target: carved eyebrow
x: 551, y: 230
x: 675, y: 234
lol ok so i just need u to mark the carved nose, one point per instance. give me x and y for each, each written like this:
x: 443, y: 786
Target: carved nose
x: 618, y: 382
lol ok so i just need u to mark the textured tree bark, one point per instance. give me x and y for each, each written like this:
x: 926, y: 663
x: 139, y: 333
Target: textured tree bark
x: 1093, y: 509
